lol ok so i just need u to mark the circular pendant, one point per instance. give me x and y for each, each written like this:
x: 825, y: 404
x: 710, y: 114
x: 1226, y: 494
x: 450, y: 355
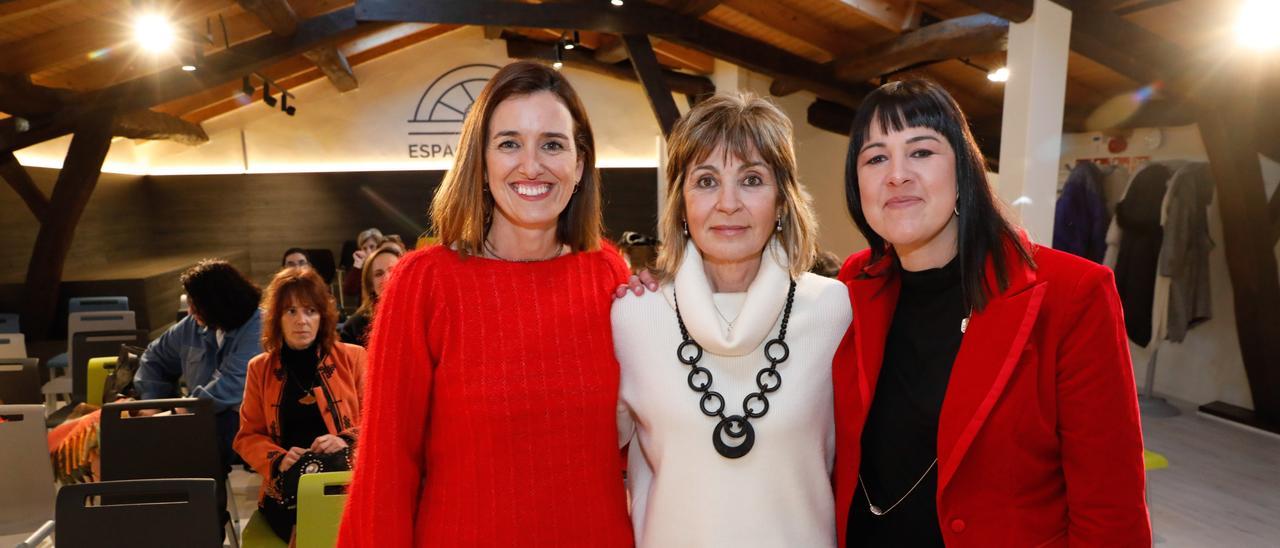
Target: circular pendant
x: 734, y: 426
x: 876, y: 510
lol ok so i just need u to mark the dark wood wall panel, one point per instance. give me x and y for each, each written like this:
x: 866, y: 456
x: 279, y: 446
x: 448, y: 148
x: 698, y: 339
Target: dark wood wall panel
x: 114, y: 226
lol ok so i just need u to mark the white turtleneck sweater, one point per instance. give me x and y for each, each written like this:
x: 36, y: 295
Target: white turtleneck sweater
x: 683, y: 492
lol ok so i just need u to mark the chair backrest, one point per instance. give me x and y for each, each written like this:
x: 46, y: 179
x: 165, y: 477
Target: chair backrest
x: 9, y: 323
x: 20, y: 381
x: 26, y: 483
x: 97, y: 514
x: 321, y: 498
x: 86, y: 345
x: 97, y: 304
x: 167, y: 446
x: 323, y: 263
x: 13, y: 345
x: 115, y: 320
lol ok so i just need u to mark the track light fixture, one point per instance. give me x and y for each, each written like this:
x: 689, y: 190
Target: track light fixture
x: 246, y: 85
x: 559, y: 56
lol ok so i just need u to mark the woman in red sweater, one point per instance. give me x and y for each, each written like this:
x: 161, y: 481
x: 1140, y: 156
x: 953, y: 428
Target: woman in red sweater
x: 489, y: 416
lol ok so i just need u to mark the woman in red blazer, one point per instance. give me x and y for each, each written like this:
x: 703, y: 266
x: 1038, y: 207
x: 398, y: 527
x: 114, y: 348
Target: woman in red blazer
x: 984, y: 393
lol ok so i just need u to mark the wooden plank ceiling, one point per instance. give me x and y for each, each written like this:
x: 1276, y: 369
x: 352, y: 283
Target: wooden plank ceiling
x: 80, y: 46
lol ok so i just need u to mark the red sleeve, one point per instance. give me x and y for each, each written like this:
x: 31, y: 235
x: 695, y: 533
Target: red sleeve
x: 389, y: 463
x: 1098, y: 422
x: 617, y: 265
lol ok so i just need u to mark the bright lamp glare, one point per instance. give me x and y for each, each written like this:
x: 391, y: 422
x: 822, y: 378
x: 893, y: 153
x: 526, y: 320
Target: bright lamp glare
x: 616, y: 2
x: 1255, y: 26
x: 153, y: 32
x: 999, y: 75
x: 557, y: 65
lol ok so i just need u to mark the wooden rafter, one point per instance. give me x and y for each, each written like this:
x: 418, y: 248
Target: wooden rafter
x: 279, y: 16
x: 895, y: 15
x: 1012, y: 10
x: 174, y: 83
x: 650, y: 75
x: 961, y: 37
x: 632, y: 18
x: 796, y: 24
x: 21, y: 181
x: 19, y: 96
x: 694, y: 8
x: 522, y: 48
x: 366, y: 46
x: 71, y: 192
x: 79, y: 39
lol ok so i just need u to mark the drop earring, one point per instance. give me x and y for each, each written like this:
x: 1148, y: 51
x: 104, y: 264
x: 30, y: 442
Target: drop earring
x: 685, y: 224
x: 957, y: 210
x: 778, y: 227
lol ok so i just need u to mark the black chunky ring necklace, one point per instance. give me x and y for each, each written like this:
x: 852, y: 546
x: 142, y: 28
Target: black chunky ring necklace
x: 767, y: 380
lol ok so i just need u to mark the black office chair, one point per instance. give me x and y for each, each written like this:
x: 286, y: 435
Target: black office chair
x: 322, y: 262
x: 169, y: 446
x: 20, y: 381
x: 102, y: 514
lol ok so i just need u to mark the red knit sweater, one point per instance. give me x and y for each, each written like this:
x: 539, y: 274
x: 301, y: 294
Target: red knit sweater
x: 490, y: 407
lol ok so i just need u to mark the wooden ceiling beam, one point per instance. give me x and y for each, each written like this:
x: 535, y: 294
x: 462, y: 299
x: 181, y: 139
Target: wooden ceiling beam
x: 279, y: 16
x: 20, y: 97
x: 148, y: 124
x: 18, y: 178
x: 296, y: 72
x: 524, y: 48
x: 961, y: 37
x: 1013, y: 10
x: 79, y: 39
x: 651, y: 77
x: 797, y: 25
x: 632, y: 18
x: 692, y: 8
x: 13, y: 10
x: 174, y: 83
x: 895, y: 15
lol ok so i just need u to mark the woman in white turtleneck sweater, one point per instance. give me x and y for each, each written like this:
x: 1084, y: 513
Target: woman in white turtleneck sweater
x: 705, y: 467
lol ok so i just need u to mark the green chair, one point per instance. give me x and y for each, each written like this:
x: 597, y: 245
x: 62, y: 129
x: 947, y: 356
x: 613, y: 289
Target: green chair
x: 96, y: 376
x: 258, y: 534
x: 320, y: 501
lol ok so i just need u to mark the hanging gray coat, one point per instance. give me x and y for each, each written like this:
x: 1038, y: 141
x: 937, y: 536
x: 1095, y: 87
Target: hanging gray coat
x: 1184, y: 253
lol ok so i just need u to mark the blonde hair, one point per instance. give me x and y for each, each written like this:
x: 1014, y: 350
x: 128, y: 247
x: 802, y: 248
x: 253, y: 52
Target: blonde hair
x: 369, y: 297
x: 744, y: 124
x: 462, y: 208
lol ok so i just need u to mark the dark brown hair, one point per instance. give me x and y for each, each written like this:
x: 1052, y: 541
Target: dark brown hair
x: 461, y: 209
x: 222, y: 297
x: 983, y: 228
x: 305, y: 286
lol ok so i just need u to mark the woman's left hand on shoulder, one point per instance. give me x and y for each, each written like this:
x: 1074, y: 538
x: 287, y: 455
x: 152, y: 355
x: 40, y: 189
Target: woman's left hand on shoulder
x: 637, y: 284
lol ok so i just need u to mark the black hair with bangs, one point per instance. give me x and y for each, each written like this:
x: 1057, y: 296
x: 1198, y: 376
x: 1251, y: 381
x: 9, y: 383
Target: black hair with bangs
x: 983, y: 228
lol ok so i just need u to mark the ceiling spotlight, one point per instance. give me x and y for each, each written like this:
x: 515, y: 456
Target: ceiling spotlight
x: 284, y: 104
x: 1255, y: 26
x: 999, y: 75
x: 616, y: 2
x: 153, y: 32
x: 189, y: 67
x: 246, y: 85
x: 266, y: 94
x: 559, y: 56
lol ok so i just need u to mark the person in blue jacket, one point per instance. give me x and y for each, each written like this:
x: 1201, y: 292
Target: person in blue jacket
x: 210, y: 349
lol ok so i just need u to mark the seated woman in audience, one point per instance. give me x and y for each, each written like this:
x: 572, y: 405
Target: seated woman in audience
x: 726, y: 453
x: 490, y: 417
x: 294, y: 257
x: 366, y: 242
x: 375, y: 274
x: 302, y: 394
x: 210, y: 348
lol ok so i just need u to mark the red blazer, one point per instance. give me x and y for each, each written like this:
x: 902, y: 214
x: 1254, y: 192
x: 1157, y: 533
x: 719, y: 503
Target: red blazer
x: 1039, y: 441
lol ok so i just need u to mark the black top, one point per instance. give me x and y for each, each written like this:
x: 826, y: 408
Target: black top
x: 356, y: 329
x: 300, y: 423
x: 900, y: 439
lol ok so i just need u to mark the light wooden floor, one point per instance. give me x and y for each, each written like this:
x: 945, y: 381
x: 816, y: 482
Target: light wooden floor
x: 1222, y: 486
x: 1221, y: 489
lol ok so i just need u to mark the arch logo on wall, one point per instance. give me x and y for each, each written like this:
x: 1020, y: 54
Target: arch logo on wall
x: 437, y: 118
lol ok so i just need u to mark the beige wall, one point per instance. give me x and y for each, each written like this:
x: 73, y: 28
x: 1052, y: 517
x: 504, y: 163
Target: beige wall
x: 1206, y: 366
